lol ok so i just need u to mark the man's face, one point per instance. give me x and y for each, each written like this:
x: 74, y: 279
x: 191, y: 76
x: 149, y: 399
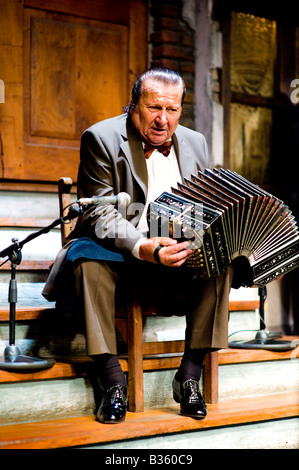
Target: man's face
x: 158, y: 111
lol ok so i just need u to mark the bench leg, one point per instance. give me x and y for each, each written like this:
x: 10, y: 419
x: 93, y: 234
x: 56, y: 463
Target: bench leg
x: 210, y: 377
x: 135, y: 358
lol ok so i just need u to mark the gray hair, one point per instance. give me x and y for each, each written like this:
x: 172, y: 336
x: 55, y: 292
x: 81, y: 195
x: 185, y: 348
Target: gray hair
x: 159, y: 74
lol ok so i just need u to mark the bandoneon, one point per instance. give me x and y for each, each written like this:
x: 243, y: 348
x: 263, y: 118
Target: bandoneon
x: 224, y: 216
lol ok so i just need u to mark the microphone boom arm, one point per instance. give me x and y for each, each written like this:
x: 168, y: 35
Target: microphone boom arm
x: 17, y: 246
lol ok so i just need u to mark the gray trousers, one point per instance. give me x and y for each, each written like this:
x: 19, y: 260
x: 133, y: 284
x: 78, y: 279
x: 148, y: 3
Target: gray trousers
x: 207, y: 302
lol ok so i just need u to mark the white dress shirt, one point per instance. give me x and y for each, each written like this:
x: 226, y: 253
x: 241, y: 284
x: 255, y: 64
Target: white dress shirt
x: 163, y: 174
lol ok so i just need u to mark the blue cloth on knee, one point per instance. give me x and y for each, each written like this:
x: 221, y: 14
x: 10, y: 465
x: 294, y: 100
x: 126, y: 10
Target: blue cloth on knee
x: 81, y: 249
x: 86, y: 248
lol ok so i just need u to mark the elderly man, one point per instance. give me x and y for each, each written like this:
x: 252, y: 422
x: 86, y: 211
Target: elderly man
x: 143, y: 153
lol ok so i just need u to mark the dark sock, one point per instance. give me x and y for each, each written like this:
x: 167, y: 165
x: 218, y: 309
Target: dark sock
x: 191, y: 365
x: 109, y: 370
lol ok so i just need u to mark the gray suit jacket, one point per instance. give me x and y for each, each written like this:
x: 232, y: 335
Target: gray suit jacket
x: 112, y: 161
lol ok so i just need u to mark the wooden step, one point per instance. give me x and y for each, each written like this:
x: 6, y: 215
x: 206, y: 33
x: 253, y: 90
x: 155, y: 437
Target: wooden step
x: 29, y: 265
x: 36, y: 312
x: 238, y: 356
x: 86, y: 430
x: 71, y: 368
x: 25, y: 313
x: 243, y: 305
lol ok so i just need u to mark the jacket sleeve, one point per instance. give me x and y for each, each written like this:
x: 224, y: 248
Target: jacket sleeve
x: 97, y: 176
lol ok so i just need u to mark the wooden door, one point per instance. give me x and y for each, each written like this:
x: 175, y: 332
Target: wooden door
x: 65, y: 66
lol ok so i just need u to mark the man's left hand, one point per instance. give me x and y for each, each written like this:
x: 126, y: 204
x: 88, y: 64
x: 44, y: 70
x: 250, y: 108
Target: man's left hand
x: 172, y: 254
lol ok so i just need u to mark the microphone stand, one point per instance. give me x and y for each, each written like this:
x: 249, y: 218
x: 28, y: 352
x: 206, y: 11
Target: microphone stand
x: 12, y: 359
x: 263, y: 338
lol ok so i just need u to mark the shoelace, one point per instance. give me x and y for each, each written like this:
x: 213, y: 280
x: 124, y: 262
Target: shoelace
x: 114, y: 394
x: 194, y: 388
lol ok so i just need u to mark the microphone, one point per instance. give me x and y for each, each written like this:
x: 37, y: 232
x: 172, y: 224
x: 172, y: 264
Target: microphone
x: 122, y: 199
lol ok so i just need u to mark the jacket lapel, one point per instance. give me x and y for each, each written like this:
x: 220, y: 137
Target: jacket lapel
x: 133, y: 151
x: 187, y: 163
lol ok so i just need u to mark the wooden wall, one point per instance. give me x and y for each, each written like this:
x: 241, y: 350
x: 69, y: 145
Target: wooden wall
x: 65, y: 65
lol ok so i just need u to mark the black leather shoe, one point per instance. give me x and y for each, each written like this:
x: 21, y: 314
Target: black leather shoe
x: 113, y: 406
x: 190, y: 399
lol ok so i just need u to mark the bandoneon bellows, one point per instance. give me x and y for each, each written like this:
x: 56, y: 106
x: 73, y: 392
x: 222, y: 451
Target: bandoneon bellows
x: 224, y: 216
